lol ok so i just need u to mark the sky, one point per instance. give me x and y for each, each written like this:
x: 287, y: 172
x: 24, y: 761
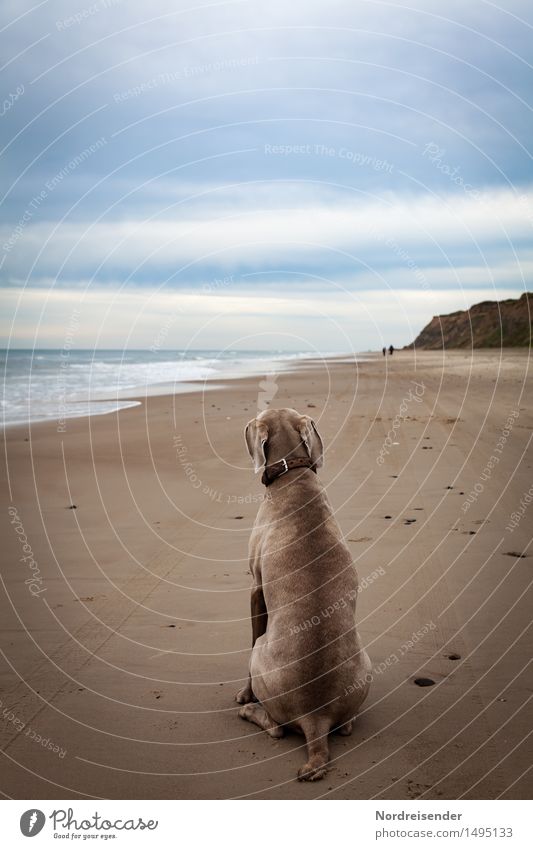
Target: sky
x: 248, y: 175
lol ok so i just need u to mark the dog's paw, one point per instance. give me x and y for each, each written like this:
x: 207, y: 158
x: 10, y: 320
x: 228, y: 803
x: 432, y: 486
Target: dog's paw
x: 245, y: 695
x: 310, y: 773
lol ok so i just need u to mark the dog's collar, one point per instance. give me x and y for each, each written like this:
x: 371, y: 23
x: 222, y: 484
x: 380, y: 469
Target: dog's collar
x: 282, y: 466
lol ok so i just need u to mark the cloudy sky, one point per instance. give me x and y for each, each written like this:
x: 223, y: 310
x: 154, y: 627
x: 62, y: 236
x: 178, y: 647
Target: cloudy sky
x: 303, y: 175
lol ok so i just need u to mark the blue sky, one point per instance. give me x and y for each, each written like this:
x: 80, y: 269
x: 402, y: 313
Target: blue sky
x: 319, y: 176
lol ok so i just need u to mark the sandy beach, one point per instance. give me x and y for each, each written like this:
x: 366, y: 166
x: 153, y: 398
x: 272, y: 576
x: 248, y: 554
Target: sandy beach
x: 125, y: 603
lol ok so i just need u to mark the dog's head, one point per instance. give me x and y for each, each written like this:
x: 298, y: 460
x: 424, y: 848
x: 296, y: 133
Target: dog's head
x: 278, y: 434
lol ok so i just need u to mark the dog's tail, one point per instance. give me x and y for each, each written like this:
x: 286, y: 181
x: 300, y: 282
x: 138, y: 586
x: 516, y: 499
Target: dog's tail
x: 316, y: 730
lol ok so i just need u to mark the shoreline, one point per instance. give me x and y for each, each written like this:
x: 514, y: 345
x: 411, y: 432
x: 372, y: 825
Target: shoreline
x: 138, y: 522
x: 194, y: 386
x: 132, y: 396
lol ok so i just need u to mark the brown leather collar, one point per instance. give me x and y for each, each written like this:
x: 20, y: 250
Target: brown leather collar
x: 282, y: 466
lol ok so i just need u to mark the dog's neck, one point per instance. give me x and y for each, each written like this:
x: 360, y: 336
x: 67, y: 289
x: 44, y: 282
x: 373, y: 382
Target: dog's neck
x: 272, y: 471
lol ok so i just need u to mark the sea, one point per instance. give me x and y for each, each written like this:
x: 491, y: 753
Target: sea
x: 60, y: 384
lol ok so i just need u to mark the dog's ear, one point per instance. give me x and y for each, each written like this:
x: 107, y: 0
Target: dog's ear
x: 256, y: 435
x: 312, y: 440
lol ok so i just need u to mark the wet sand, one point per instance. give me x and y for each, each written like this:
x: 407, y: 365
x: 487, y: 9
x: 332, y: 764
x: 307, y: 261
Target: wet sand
x: 125, y: 631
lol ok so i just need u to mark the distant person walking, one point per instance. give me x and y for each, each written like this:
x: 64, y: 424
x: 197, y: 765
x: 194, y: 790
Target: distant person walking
x: 384, y: 352
x: 391, y: 350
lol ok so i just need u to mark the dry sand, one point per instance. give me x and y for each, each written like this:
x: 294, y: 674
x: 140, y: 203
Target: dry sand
x: 128, y: 656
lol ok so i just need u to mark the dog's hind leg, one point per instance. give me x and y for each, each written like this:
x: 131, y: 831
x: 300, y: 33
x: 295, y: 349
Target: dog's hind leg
x: 316, y: 730
x: 259, y: 625
x: 346, y: 729
x: 256, y: 713
x: 245, y: 695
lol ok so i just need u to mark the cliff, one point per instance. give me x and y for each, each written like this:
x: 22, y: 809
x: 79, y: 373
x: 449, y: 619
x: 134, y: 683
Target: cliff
x: 491, y: 324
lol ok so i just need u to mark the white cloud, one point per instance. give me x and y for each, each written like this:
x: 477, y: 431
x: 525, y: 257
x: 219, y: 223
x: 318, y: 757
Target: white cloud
x: 339, y: 321
x: 286, y: 233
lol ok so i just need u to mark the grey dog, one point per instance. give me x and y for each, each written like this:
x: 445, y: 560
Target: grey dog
x: 308, y: 669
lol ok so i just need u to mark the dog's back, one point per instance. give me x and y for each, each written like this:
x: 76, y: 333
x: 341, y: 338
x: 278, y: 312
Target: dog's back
x: 311, y: 647
x: 308, y: 669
